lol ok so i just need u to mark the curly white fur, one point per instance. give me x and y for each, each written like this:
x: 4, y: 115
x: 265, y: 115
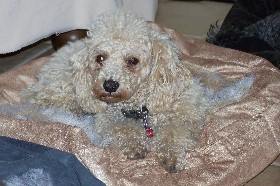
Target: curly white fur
x: 146, y: 65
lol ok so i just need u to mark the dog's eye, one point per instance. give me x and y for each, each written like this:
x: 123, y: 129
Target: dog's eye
x: 132, y: 61
x: 100, y: 58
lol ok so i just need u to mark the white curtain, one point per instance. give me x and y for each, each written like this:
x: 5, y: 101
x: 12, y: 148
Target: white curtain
x: 23, y: 22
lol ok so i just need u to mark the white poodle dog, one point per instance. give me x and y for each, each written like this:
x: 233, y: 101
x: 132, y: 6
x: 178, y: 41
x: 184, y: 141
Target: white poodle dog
x: 131, y: 78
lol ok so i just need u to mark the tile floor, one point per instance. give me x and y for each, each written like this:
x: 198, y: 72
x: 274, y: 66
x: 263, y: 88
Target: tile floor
x: 187, y: 15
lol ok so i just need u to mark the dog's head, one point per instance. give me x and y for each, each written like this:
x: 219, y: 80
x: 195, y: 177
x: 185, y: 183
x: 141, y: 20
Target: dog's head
x: 123, y: 57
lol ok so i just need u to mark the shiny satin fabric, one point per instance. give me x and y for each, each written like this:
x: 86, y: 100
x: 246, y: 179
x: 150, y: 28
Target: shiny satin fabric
x: 237, y: 143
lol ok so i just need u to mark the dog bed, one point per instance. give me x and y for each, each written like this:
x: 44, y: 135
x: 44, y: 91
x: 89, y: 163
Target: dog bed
x: 237, y: 143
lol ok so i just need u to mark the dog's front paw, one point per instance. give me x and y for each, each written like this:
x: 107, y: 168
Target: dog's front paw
x: 172, y: 159
x: 130, y: 140
x: 168, y: 163
x: 135, y: 150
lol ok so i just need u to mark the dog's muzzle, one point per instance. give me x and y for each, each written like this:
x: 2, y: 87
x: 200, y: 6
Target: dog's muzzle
x: 110, y: 85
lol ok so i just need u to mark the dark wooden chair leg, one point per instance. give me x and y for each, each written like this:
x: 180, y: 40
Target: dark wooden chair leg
x: 60, y: 40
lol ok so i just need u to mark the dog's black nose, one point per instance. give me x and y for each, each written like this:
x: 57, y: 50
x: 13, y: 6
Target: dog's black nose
x: 110, y: 85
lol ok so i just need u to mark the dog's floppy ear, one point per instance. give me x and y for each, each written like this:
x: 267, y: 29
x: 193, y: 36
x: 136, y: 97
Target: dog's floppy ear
x: 169, y: 77
x: 166, y: 61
